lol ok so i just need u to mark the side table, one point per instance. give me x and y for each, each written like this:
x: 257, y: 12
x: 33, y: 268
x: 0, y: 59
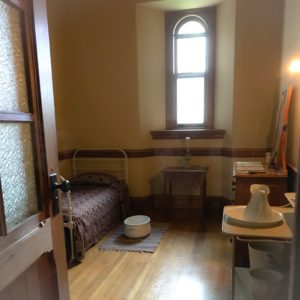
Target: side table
x: 193, y: 172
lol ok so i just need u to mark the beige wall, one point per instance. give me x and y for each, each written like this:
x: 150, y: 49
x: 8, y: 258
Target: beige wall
x: 291, y: 50
x: 98, y: 43
x: 61, y: 79
x: 225, y: 46
x: 150, y: 26
x: 108, y: 66
x: 248, y: 73
x: 257, y: 70
x: 224, y: 105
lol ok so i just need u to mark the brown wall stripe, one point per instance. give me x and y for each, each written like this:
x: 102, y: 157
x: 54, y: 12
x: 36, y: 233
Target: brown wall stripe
x: 182, y: 134
x: 231, y: 152
x: 139, y: 153
x: 62, y: 155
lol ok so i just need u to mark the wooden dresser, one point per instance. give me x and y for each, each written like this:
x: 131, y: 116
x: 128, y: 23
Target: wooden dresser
x: 276, y: 180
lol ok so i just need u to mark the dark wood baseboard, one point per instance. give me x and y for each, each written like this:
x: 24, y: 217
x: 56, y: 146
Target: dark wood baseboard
x: 217, y: 202
x: 154, y: 204
x: 142, y: 205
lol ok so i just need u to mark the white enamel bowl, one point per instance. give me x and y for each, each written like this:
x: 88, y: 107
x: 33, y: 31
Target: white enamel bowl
x: 265, y: 283
x: 137, y: 226
x: 266, y: 255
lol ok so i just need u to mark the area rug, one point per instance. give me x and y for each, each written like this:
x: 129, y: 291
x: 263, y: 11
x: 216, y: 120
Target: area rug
x: 119, y: 242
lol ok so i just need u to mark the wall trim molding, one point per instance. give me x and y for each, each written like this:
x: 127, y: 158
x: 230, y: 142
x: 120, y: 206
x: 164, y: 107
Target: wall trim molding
x: 149, y: 152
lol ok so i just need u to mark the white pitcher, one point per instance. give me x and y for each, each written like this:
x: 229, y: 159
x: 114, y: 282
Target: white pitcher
x: 258, y: 208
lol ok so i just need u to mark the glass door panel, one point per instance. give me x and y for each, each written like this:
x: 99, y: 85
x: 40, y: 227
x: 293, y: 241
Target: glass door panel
x: 17, y: 173
x: 13, y: 95
x: 18, y: 188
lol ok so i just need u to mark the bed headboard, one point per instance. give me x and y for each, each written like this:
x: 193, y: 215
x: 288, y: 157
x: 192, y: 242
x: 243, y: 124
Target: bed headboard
x: 112, y: 161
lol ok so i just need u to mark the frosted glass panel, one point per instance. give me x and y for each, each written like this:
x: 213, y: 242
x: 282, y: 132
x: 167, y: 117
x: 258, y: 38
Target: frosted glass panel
x: 191, y: 55
x: 190, y: 100
x: 13, y: 95
x: 17, y: 172
x: 191, y: 27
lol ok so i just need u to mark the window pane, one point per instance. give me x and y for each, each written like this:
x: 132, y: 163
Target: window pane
x: 191, y: 27
x: 191, y: 55
x: 13, y: 95
x: 190, y: 100
x: 17, y: 174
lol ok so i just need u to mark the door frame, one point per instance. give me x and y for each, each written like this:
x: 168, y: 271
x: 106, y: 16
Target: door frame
x: 48, y: 114
x: 294, y: 288
x: 49, y: 234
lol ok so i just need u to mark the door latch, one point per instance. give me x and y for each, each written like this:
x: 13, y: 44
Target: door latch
x: 63, y: 185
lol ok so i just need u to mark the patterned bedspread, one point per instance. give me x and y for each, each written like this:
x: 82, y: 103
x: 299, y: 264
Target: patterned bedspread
x: 99, y: 202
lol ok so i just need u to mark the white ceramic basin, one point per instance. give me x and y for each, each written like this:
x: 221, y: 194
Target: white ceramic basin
x: 137, y: 226
x: 235, y: 216
x: 289, y: 218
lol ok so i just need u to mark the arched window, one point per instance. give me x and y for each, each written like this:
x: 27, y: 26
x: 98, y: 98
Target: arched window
x: 190, y: 45
x: 190, y: 71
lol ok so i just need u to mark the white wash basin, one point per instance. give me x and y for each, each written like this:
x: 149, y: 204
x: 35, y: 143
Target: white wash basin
x: 235, y: 215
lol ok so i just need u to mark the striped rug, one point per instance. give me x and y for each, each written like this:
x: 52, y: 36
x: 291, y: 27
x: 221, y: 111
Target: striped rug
x: 119, y: 242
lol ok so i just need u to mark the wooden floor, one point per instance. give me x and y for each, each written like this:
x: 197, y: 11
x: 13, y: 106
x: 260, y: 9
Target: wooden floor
x: 189, y: 263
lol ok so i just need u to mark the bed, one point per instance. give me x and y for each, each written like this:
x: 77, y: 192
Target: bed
x: 98, y: 199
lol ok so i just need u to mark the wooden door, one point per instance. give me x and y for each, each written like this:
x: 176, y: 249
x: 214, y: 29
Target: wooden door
x: 32, y: 247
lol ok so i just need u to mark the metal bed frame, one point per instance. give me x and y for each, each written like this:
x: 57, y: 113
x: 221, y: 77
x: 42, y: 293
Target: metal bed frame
x: 113, y: 161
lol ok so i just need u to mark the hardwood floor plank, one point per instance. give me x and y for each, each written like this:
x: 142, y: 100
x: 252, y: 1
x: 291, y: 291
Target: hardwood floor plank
x: 190, y: 263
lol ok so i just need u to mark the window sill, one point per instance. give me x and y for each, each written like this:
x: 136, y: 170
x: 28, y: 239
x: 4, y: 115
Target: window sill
x: 179, y: 134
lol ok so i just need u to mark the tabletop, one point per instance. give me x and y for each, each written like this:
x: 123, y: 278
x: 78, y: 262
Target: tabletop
x: 195, y: 169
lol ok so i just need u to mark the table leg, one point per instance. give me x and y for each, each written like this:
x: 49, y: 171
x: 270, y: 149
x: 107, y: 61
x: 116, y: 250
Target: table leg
x: 168, y: 195
x: 202, y: 195
x: 233, y: 238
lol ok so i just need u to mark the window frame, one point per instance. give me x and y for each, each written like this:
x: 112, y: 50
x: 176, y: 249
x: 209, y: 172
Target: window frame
x: 172, y: 21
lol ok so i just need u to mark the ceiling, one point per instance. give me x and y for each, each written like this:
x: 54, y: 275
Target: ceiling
x: 167, y: 5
